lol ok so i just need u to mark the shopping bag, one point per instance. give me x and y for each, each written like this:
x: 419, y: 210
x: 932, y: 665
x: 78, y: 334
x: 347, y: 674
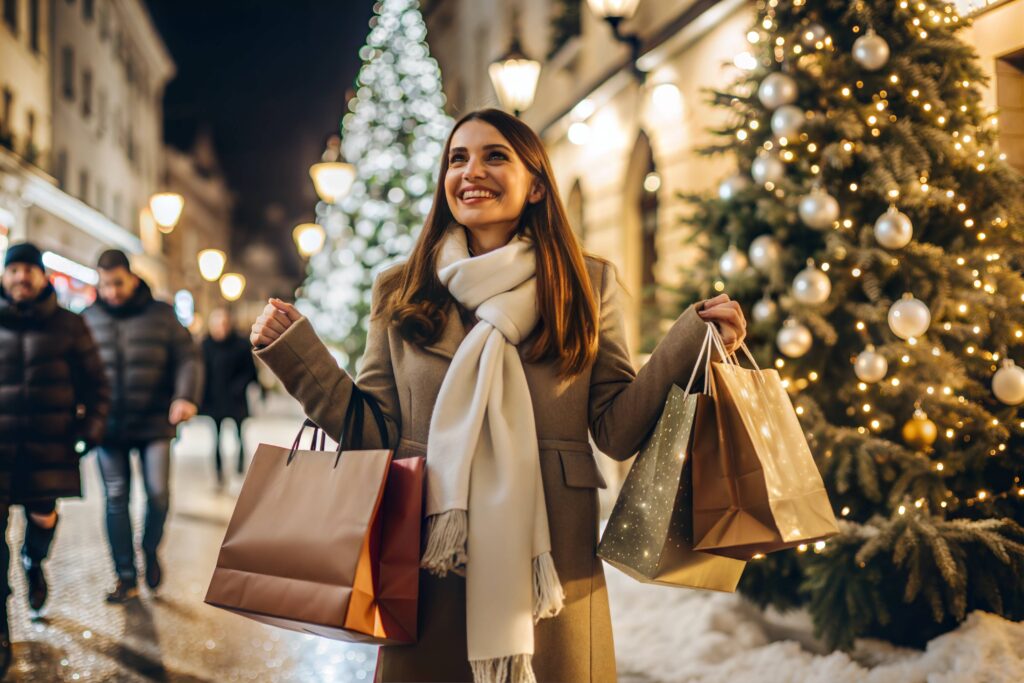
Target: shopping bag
x: 756, y: 486
x: 649, y: 534
x: 326, y: 542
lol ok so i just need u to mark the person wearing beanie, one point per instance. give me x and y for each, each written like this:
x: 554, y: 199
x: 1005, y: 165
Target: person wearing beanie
x: 41, y: 441
x: 155, y: 371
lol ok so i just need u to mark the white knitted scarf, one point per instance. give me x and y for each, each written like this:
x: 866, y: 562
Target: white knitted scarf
x: 486, y: 516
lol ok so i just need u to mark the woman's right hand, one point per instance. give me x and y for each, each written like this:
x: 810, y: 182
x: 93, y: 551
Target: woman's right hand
x: 277, y: 316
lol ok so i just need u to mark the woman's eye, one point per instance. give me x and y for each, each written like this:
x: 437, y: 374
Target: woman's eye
x: 498, y: 155
x: 455, y: 157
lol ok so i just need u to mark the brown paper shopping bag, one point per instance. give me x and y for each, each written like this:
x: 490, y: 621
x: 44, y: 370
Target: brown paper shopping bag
x: 326, y: 542
x: 649, y: 534
x: 756, y: 486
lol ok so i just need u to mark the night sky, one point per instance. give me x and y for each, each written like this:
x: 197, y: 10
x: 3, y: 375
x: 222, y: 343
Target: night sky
x: 268, y: 77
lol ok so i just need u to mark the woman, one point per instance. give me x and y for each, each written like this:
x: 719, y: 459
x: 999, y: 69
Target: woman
x: 497, y: 344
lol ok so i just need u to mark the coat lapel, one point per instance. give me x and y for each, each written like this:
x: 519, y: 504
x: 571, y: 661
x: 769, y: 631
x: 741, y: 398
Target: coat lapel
x: 451, y: 336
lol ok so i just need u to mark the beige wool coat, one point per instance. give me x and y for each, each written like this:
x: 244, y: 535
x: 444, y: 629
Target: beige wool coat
x: 618, y: 407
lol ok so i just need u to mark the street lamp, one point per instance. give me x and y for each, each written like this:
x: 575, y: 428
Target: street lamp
x: 332, y: 175
x: 514, y: 77
x: 166, y: 209
x: 309, y: 238
x: 614, y: 12
x: 211, y: 264
x: 231, y: 286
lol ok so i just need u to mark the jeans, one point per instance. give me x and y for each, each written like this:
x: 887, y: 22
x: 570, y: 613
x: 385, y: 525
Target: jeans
x: 115, y: 466
x: 218, y: 457
x: 34, y: 549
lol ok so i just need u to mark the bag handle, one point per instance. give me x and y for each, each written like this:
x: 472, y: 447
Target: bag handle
x: 696, y: 364
x: 312, y: 442
x: 354, y: 419
x: 732, y: 359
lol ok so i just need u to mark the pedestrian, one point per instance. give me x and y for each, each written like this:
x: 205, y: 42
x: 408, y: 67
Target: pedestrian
x: 54, y: 398
x: 492, y: 350
x: 230, y: 369
x: 155, y: 372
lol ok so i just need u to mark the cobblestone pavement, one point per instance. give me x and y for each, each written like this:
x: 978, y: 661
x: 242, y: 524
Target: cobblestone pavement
x: 172, y: 636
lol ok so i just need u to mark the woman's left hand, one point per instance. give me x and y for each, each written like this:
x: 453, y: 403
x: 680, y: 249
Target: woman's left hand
x: 729, y: 318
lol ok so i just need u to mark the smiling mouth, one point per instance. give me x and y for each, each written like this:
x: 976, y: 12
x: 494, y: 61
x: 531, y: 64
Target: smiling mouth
x: 476, y: 196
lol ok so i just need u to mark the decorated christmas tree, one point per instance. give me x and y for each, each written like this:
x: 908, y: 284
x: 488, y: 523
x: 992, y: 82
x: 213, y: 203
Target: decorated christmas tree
x: 874, y: 235
x: 393, y: 134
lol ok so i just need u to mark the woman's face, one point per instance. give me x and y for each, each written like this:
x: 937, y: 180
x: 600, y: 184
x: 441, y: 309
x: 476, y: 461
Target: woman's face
x: 487, y: 184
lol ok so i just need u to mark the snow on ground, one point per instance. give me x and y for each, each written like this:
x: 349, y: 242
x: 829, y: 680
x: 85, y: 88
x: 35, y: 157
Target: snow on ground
x: 675, y: 635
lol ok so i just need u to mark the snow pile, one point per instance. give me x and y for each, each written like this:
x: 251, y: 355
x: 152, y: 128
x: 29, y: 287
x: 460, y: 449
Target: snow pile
x: 672, y: 635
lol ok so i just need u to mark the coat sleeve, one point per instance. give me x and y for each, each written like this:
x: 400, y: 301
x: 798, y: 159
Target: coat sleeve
x: 310, y: 374
x: 624, y: 404
x: 188, y: 364
x: 92, y: 387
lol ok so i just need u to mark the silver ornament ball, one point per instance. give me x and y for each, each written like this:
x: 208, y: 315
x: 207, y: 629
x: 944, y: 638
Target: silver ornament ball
x: 776, y: 90
x: 818, y: 210
x: 767, y: 168
x: 893, y: 229
x: 733, y: 262
x: 787, y: 121
x: 871, y: 51
x: 870, y: 366
x: 764, y: 310
x: 909, y: 317
x: 811, y: 286
x: 794, y: 339
x: 813, y: 33
x: 764, y: 253
x: 1008, y: 383
x: 731, y: 186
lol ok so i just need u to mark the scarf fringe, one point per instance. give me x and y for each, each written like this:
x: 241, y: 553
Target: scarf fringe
x: 548, y: 596
x: 511, y: 669
x: 447, y: 534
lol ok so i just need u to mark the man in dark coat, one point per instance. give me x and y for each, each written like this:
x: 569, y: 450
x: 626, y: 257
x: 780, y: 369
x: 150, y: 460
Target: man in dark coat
x: 227, y: 358
x: 54, y: 399
x: 155, y: 373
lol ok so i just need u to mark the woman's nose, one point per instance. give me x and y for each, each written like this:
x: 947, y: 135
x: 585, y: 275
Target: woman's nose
x: 474, y: 169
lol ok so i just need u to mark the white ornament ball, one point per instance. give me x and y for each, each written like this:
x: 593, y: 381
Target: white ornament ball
x: 1008, y: 383
x: 909, y: 317
x: 764, y: 310
x: 870, y: 366
x: 794, y: 339
x: 733, y: 262
x: 787, y: 121
x: 811, y: 286
x: 893, y: 229
x: 871, y: 51
x: 767, y: 168
x: 814, y: 33
x: 764, y: 253
x: 776, y: 90
x: 819, y: 209
x: 730, y: 187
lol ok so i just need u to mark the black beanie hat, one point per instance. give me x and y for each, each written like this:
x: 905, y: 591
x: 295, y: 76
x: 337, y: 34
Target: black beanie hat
x: 24, y: 252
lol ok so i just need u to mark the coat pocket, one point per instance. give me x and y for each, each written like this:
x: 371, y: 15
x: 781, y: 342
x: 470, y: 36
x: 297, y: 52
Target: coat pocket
x: 580, y: 470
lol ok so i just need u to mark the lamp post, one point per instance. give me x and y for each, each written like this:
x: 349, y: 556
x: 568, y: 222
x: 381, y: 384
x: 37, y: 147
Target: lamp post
x: 332, y: 175
x: 309, y: 238
x: 514, y: 77
x: 166, y: 208
x: 614, y: 12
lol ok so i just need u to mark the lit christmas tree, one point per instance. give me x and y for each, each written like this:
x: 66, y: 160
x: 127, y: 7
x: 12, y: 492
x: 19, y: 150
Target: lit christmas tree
x: 875, y: 238
x: 393, y: 134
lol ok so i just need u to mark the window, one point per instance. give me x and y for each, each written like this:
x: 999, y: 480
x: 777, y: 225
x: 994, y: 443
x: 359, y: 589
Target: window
x: 115, y: 212
x: 5, y: 121
x: 35, y: 29
x: 60, y: 169
x: 11, y: 15
x: 104, y: 20
x: 88, y: 7
x: 101, y: 196
x: 30, y: 138
x: 101, y: 112
x: 87, y: 93
x: 83, y: 185
x: 67, y: 69
x: 574, y: 207
x: 1010, y: 102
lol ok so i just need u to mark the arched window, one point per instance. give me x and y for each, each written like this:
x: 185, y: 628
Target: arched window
x: 575, y: 209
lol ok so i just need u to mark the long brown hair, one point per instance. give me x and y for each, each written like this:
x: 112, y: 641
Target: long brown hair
x: 417, y: 302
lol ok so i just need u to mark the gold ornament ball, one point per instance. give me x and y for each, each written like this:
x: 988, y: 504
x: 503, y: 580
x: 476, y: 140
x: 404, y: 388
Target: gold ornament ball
x: 920, y: 432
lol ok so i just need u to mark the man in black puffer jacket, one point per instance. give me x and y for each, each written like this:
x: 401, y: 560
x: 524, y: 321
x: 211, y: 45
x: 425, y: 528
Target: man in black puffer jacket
x: 155, y: 373
x: 54, y: 399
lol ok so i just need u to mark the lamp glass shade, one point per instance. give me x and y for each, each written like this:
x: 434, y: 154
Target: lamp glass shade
x: 613, y: 9
x: 332, y: 179
x: 309, y: 238
x: 166, y: 208
x: 211, y: 263
x: 231, y: 286
x: 515, y: 80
